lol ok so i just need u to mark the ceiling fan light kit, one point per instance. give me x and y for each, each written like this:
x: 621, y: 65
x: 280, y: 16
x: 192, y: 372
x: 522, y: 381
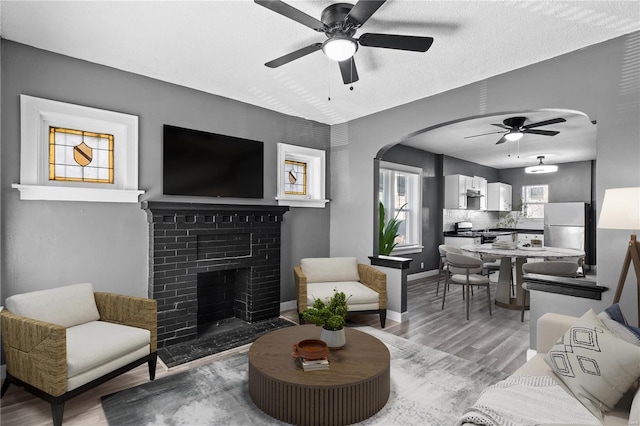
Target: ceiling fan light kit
x: 340, y: 48
x: 339, y: 22
x: 541, y: 167
x: 514, y: 136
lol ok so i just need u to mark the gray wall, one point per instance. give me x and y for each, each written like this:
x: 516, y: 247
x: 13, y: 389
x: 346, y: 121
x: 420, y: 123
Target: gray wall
x: 46, y: 244
x: 432, y: 195
x: 599, y: 80
x: 456, y: 166
x: 571, y: 183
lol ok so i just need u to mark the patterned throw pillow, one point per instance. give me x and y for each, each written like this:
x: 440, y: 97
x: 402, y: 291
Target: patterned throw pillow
x: 614, y: 320
x: 594, y: 364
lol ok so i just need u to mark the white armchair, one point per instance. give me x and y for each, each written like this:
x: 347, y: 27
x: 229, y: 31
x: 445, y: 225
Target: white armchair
x: 62, y: 342
x: 364, y: 285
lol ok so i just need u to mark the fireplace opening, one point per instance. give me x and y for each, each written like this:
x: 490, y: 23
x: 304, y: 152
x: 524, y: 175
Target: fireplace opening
x: 221, y: 299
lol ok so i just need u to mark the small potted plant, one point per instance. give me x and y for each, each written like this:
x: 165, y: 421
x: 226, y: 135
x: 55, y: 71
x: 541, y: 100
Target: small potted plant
x: 331, y: 316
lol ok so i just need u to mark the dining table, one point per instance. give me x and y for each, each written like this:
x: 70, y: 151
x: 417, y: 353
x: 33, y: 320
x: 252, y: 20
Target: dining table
x: 511, y: 261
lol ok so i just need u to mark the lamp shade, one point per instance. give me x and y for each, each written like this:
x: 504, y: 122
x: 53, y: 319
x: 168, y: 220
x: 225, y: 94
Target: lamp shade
x: 620, y: 209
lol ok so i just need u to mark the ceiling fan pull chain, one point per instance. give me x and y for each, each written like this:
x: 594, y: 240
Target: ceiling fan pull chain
x: 351, y: 70
x: 329, y: 81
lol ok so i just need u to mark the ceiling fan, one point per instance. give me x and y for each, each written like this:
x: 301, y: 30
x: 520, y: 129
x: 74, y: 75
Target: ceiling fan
x: 339, y: 22
x: 516, y: 129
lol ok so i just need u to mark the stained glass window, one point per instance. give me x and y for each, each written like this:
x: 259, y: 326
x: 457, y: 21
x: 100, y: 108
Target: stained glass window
x: 295, y: 177
x: 80, y: 156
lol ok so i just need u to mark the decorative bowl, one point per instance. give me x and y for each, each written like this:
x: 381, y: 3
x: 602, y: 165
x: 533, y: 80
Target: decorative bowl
x: 311, y: 349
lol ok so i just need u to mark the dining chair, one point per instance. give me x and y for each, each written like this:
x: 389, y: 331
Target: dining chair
x: 466, y: 271
x: 557, y: 268
x: 443, y: 249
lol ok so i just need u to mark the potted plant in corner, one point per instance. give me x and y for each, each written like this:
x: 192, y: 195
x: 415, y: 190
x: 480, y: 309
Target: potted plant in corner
x: 331, y: 316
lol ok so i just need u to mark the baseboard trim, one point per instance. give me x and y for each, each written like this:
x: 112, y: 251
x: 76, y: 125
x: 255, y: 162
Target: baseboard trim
x: 397, y: 316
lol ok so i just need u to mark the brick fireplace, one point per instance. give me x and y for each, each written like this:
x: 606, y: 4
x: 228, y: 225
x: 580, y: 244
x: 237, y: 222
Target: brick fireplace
x: 210, y: 261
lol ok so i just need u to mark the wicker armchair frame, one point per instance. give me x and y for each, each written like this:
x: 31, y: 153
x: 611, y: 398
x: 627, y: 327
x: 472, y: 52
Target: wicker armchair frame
x: 369, y: 276
x: 36, y: 351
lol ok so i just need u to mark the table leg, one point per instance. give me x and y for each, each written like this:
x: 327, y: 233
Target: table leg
x: 503, y: 291
x: 519, y: 292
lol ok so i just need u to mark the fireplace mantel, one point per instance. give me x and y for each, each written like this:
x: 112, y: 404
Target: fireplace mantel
x: 190, y: 240
x: 205, y: 207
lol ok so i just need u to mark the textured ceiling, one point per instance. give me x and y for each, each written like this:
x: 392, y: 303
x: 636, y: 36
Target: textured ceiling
x: 220, y: 47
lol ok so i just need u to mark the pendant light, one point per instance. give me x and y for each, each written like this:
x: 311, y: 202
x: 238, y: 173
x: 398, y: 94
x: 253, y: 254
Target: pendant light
x: 541, y: 168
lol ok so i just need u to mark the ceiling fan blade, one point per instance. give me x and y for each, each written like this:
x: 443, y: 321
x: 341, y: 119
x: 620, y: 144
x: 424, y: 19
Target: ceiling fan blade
x: 294, y: 55
x: 348, y: 71
x: 501, y: 125
x: 540, y: 132
x: 544, y: 123
x: 362, y: 11
x: 482, y: 134
x: 502, y: 140
x: 292, y: 13
x: 393, y: 41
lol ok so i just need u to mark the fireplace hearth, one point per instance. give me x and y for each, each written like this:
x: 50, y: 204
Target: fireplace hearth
x: 210, y: 262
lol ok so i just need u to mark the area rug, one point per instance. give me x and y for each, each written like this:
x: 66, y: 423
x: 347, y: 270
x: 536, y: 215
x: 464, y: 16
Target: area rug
x: 428, y: 387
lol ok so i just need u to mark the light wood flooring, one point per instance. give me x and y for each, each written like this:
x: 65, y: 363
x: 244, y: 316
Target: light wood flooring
x: 499, y: 341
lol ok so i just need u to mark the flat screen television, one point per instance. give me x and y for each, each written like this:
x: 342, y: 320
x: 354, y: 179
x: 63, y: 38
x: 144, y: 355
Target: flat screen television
x: 206, y: 164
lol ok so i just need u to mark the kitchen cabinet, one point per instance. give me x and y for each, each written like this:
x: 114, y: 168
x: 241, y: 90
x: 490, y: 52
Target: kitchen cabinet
x: 462, y: 241
x: 524, y: 238
x: 504, y: 238
x: 499, y: 197
x: 455, y: 191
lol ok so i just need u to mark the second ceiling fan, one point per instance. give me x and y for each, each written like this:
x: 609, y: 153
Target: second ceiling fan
x: 516, y: 129
x: 339, y: 22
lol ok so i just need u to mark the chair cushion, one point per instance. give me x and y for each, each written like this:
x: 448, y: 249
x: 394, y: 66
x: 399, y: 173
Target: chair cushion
x: 96, y: 343
x: 67, y: 306
x: 552, y: 267
x: 330, y: 269
x: 357, y: 293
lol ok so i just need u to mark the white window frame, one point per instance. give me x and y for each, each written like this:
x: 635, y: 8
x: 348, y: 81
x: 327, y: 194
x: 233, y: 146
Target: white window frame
x: 38, y: 114
x: 526, y: 203
x: 316, y: 176
x: 414, y: 207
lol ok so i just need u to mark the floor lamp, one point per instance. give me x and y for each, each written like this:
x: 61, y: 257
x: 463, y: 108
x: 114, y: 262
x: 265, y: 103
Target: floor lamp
x: 621, y: 210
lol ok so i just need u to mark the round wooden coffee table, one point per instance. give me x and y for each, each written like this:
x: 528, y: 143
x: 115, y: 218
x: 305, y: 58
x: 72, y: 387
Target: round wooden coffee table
x: 355, y: 387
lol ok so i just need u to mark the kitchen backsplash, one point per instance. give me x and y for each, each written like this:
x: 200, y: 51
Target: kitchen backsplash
x: 482, y: 220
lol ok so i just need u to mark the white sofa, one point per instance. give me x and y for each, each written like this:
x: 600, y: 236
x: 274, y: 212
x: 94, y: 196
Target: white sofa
x: 364, y: 285
x: 552, y: 327
x: 61, y: 342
